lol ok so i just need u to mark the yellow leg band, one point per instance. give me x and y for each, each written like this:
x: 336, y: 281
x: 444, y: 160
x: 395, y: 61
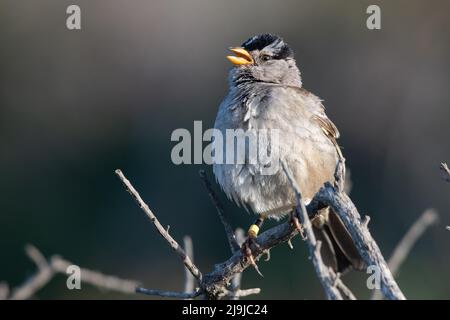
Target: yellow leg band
x: 253, y: 231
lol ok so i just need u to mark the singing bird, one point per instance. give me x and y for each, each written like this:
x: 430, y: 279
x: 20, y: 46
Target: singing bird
x: 265, y: 92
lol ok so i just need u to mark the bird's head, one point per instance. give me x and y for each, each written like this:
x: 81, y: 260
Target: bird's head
x: 264, y: 58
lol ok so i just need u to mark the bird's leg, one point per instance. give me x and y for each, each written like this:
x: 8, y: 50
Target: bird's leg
x: 251, y: 242
x: 296, y: 223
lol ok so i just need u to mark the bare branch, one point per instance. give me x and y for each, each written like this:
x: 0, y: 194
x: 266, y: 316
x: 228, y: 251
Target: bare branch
x: 48, y: 269
x: 220, y: 211
x: 404, y: 247
x: 366, y: 245
x: 4, y: 291
x: 243, y: 293
x: 95, y: 278
x: 169, y: 294
x: 427, y: 219
x: 214, y: 285
x: 345, y: 291
x: 322, y: 271
x: 36, y: 256
x: 237, y: 279
x: 188, y: 277
x: 163, y: 232
x: 444, y: 167
x: 43, y: 275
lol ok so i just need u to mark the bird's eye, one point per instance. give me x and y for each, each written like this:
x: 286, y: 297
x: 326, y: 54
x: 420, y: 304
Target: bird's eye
x: 265, y: 57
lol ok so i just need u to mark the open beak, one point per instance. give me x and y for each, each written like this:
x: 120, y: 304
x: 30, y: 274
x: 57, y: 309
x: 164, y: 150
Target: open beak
x: 241, y: 57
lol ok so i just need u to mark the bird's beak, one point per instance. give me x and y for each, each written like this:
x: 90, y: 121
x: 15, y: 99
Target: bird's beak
x: 241, y: 57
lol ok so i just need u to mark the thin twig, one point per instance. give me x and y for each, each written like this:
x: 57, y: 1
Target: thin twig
x: 345, y: 291
x: 214, y: 284
x: 47, y: 269
x: 237, y: 279
x: 171, y: 241
x: 4, y: 291
x: 322, y: 270
x: 444, y: 167
x: 404, y: 247
x: 220, y: 211
x: 243, y: 293
x: 427, y: 219
x: 43, y: 276
x: 366, y: 245
x: 189, y: 280
x: 169, y: 294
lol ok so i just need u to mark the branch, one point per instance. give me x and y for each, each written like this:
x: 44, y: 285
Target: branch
x: 4, y: 290
x: 212, y: 289
x: 47, y: 269
x: 322, y: 271
x: 366, y: 245
x: 189, y: 278
x: 427, y: 219
x: 236, y: 281
x: 163, y: 232
x: 243, y: 293
x: 228, y: 229
x: 169, y: 294
x: 345, y: 291
x: 214, y: 285
x: 444, y: 167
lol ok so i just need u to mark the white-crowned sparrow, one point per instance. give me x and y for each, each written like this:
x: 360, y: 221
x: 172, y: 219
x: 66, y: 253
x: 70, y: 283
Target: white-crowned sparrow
x: 266, y: 93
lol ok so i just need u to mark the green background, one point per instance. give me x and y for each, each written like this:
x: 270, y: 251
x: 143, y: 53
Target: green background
x: 75, y: 105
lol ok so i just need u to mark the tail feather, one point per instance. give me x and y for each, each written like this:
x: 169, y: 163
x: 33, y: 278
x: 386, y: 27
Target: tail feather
x: 338, y: 250
x: 344, y: 241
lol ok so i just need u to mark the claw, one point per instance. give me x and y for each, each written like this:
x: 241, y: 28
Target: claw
x: 298, y: 226
x: 290, y: 244
x: 248, y: 254
x: 267, y: 252
x: 254, y: 265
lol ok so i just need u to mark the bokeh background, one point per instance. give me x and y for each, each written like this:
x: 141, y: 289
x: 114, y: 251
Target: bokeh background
x: 75, y: 105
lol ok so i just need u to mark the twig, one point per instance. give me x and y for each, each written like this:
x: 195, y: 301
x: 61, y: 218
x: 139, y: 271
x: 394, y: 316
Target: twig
x: 322, y: 271
x: 243, y: 293
x: 169, y: 294
x: 345, y: 291
x: 215, y: 281
x: 214, y: 284
x: 47, y: 269
x: 4, y: 290
x: 188, y: 277
x: 237, y: 279
x: 366, y: 245
x: 220, y: 211
x: 427, y: 219
x: 44, y: 274
x: 171, y: 241
x: 444, y: 167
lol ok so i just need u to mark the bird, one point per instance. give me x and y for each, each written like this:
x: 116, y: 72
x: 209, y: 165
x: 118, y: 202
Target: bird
x: 266, y: 93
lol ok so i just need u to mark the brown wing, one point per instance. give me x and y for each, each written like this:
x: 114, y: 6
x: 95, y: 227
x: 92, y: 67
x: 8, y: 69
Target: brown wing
x: 328, y: 128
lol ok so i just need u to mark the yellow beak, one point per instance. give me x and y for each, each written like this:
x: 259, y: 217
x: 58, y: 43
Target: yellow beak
x: 242, y: 57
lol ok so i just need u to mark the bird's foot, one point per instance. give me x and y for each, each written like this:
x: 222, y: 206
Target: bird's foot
x: 251, y: 248
x: 297, y: 225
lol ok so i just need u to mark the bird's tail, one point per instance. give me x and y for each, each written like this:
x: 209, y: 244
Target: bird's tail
x: 338, y: 250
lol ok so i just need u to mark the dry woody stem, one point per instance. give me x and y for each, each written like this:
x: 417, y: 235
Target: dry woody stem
x: 218, y: 283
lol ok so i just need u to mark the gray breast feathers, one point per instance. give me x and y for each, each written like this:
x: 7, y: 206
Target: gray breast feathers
x: 306, y: 142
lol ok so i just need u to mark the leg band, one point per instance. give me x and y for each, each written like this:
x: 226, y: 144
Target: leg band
x: 253, y: 231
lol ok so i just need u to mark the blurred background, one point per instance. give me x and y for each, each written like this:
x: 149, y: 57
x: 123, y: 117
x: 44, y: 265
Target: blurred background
x: 75, y: 105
